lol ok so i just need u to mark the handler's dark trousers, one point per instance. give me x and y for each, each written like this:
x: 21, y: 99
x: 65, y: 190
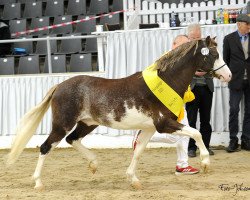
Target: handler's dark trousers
x: 234, y: 104
x: 203, y: 104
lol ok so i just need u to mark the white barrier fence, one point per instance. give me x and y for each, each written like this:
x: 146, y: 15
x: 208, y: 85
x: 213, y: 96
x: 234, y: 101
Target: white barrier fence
x: 153, y: 11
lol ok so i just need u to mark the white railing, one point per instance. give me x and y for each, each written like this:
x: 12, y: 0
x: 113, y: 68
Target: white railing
x: 153, y: 11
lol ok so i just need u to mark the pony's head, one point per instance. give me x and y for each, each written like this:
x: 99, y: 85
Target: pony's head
x: 204, y: 56
x: 211, y: 61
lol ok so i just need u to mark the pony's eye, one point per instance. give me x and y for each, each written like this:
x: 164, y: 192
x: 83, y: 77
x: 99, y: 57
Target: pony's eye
x: 214, y: 54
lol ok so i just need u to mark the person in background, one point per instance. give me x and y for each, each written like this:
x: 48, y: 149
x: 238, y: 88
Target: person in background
x: 202, y: 86
x: 182, y: 166
x: 5, y: 48
x: 237, y: 56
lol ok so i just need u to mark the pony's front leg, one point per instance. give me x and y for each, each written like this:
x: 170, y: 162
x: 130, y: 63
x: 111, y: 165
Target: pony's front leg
x: 140, y: 144
x: 196, y: 135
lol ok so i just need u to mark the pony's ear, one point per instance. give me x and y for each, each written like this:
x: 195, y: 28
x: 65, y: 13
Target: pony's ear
x: 214, y: 37
x: 208, y: 40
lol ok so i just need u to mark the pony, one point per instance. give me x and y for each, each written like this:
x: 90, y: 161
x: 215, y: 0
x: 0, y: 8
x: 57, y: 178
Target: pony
x: 82, y: 103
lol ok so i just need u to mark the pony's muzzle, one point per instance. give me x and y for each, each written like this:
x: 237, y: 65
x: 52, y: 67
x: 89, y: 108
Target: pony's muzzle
x: 226, y: 78
x: 223, y: 73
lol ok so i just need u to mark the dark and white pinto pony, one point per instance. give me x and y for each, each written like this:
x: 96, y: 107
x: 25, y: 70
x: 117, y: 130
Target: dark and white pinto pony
x: 82, y: 103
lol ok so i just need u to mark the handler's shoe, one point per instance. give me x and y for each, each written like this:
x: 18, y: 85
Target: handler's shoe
x: 186, y: 170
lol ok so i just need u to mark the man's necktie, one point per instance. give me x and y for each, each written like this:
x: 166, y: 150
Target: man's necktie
x: 243, y: 38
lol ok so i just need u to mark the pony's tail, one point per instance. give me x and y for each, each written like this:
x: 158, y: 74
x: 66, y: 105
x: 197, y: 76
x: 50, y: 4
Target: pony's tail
x: 27, y: 127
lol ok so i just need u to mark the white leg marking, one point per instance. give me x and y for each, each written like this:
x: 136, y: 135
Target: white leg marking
x: 90, y: 156
x: 38, y: 171
x: 142, y: 142
x: 196, y: 135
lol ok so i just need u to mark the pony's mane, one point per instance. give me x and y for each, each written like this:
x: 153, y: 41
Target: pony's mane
x: 169, y: 58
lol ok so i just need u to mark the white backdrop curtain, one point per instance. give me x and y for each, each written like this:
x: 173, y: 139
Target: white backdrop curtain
x: 20, y: 93
x: 132, y: 51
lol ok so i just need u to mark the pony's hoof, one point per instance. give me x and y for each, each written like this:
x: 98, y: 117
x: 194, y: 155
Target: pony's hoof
x: 204, y: 167
x: 205, y: 163
x: 137, y: 185
x: 93, y: 166
x: 39, y: 188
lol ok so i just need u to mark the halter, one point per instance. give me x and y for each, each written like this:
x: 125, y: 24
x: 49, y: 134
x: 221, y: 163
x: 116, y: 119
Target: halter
x: 212, y: 72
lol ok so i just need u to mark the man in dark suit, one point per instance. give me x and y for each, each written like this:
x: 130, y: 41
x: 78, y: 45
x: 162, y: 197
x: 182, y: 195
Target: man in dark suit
x: 203, y: 87
x: 236, y: 54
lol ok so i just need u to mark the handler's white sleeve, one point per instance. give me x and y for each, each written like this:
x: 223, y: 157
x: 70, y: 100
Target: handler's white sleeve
x: 181, y: 143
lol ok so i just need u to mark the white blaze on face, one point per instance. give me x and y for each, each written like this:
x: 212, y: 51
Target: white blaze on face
x: 224, y: 72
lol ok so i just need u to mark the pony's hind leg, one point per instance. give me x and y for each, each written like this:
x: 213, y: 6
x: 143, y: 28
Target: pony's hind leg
x: 141, y: 142
x: 56, y: 135
x: 75, y: 140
